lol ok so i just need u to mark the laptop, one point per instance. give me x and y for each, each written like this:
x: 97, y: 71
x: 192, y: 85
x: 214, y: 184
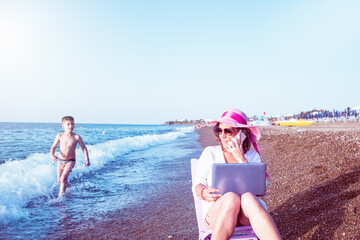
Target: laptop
x: 239, y: 177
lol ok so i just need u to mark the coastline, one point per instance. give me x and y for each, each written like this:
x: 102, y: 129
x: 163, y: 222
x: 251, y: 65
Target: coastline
x: 165, y: 209
x: 313, y: 190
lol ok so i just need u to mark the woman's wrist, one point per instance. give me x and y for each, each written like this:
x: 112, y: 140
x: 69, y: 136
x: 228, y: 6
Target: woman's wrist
x: 202, y: 192
x: 241, y: 159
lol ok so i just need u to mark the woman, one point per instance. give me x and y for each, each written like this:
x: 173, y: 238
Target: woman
x: 224, y: 212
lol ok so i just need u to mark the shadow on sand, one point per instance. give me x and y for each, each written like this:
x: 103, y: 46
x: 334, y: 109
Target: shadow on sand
x: 321, y: 208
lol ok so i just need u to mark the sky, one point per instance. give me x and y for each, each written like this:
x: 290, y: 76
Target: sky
x: 147, y: 62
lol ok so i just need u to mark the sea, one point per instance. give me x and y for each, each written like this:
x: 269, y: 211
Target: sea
x: 125, y: 159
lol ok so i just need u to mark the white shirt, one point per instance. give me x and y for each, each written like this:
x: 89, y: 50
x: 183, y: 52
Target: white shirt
x: 209, y: 156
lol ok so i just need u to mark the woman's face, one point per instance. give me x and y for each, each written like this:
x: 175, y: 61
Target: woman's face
x: 227, y: 133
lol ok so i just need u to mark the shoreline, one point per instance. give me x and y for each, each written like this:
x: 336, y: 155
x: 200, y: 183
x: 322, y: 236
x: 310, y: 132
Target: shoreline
x: 313, y: 189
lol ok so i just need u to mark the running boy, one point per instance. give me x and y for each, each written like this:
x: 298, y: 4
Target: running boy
x: 66, y: 160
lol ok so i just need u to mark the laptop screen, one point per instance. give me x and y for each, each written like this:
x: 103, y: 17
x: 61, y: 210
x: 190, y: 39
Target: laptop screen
x: 239, y: 177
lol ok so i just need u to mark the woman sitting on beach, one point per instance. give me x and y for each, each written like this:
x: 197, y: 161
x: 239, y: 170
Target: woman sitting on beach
x: 225, y: 212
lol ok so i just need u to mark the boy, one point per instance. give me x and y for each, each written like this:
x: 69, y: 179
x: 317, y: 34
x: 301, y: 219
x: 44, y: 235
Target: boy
x: 66, y: 160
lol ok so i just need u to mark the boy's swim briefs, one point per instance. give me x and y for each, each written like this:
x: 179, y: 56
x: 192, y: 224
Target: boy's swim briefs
x: 63, y: 162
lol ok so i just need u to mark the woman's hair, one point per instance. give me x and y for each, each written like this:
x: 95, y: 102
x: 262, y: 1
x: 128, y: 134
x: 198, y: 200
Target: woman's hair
x: 246, y: 144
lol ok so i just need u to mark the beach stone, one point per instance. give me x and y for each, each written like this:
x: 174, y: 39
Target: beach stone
x: 313, y: 191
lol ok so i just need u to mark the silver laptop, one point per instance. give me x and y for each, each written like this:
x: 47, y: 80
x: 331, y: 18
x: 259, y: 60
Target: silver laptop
x: 239, y: 177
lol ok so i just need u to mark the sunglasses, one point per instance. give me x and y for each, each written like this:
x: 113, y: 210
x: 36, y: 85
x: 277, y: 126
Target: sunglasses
x: 227, y: 131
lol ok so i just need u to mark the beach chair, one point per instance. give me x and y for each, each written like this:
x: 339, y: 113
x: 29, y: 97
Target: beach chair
x: 242, y: 232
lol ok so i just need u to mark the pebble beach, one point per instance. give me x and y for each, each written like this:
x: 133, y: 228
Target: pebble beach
x: 313, y: 191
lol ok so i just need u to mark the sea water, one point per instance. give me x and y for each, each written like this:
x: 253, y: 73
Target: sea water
x: 124, y: 159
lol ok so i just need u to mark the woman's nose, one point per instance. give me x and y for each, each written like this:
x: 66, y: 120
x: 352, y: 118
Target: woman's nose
x: 223, y: 135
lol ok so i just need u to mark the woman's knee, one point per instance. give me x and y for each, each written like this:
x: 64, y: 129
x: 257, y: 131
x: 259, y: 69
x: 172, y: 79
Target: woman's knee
x: 249, y: 199
x: 250, y: 202
x: 231, y: 200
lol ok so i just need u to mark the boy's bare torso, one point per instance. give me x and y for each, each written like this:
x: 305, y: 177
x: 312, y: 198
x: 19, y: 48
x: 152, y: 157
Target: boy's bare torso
x: 68, y: 142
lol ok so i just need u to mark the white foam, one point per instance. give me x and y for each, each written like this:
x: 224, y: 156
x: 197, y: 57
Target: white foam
x: 35, y: 176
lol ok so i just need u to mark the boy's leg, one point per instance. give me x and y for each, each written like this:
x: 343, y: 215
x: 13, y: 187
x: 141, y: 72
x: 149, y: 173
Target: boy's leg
x: 64, y: 177
x: 60, y: 169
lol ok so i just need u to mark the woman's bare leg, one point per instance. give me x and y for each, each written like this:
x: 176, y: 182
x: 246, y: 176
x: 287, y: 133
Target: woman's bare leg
x: 223, y: 216
x: 254, y: 214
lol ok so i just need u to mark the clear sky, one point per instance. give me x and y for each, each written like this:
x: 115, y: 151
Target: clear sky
x: 153, y: 61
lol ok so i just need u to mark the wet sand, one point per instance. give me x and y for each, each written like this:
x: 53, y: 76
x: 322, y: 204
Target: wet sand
x: 313, y: 191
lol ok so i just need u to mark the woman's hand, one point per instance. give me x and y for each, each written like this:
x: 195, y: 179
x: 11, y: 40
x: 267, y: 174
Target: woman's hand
x: 237, y: 150
x: 210, y: 194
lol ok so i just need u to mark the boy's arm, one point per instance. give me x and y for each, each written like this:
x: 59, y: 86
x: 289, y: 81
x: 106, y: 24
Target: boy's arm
x: 53, y: 147
x: 83, y: 147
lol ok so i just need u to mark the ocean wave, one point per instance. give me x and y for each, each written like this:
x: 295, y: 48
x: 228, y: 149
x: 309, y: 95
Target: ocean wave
x: 35, y: 176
